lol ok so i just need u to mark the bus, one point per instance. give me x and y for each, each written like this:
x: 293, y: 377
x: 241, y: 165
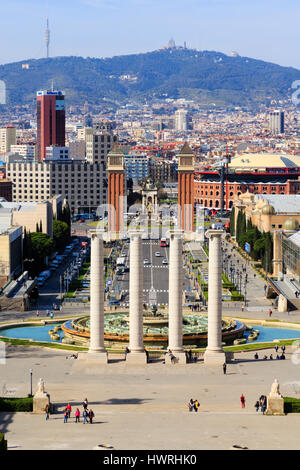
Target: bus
x: 163, y: 242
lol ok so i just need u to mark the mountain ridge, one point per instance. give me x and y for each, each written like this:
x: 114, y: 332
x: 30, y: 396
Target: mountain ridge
x: 205, y: 76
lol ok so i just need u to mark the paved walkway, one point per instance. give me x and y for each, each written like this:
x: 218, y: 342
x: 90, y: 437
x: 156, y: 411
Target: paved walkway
x: 146, y: 407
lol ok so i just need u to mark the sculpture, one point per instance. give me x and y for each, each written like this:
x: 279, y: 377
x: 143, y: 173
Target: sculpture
x: 41, y: 386
x: 275, y: 390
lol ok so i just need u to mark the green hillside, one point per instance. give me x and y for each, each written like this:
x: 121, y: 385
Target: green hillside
x: 208, y: 76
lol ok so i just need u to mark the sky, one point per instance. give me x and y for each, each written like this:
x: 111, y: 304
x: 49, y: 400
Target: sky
x: 261, y: 29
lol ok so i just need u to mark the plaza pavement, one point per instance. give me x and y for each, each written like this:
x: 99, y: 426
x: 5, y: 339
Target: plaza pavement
x: 145, y: 407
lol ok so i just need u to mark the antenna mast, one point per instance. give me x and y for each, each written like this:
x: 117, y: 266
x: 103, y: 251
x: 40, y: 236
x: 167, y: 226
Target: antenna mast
x: 47, y: 37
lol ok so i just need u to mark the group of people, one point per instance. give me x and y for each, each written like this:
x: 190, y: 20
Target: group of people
x: 87, y: 414
x: 193, y: 405
x: 261, y: 403
x: 192, y: 357
x: 265, y: 357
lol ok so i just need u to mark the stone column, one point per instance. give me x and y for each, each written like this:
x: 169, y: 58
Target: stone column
x: 137, y: 353
x: 214, y: 354
x: 175, y: 297
x: 97, y: 350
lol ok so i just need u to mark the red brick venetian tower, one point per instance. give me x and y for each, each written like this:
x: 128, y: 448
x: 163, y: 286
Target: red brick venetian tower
x: 116, y: 189
x: 186, y: 188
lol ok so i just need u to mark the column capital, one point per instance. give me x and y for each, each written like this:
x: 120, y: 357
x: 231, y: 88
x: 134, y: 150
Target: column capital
x: 135, y: 233
x: 176, y: 233
x: 96, y: 233
x: 214, y: 233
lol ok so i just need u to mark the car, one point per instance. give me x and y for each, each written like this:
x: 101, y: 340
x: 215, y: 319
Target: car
x: 157, y: 253
x: 80, y: 221
x: 114, y: 302
x: 146, y: 261
x: 120, y: 271
x: 165, y: 261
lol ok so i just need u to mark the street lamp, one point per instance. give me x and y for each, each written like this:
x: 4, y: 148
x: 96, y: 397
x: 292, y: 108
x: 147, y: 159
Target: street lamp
x: 30, y: 372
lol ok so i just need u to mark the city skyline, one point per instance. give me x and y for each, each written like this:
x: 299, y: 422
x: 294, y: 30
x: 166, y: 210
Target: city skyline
x: 95, y: 28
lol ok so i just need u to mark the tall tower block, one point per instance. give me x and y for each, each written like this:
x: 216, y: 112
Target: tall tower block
x: 116, y: 189
x: 186, y: 188
x: 51, y: 118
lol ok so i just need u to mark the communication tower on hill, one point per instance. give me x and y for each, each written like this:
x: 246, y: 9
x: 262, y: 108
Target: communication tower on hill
x: 47, y: 37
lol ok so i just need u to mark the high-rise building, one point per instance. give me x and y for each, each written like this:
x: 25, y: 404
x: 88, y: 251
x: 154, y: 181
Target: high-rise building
x: 51, y: 118
x: 182, y: 120
x: 277, y: 122
x: 7, y: 138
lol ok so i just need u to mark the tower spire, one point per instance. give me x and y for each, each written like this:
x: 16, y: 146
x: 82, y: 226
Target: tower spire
x: 47, y: 37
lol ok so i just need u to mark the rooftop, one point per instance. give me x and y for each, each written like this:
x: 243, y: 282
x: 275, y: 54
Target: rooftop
x: 282, y: 203
x: 295, y: 238
x: 265, y: 160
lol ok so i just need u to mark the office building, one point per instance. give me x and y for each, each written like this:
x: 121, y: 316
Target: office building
x: 82, y: 184
x: 137, y: 167
x: 7, y: 138
x: 277, y: 122
x: 25, y: 150
x: 50, y: 121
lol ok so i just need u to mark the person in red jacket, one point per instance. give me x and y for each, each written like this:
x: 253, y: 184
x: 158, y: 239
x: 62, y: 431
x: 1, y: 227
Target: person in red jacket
x: 77, y: 416
x: 243, y: 401
x: 69, y: 409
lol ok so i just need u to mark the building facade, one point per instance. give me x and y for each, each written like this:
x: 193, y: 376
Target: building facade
x: 81, y: 184
x: 51, y: 118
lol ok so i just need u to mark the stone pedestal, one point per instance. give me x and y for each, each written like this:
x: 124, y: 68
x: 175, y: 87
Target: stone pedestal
x: 136, y: 358
x: 97, y: 351
x: 214, y: 354
x: 275, y: 406
x: 180, y: 358
x: 282, y: 304
x: 40, y: 400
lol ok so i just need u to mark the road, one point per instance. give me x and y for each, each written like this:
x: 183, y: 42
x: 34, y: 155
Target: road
x: 156, y: 274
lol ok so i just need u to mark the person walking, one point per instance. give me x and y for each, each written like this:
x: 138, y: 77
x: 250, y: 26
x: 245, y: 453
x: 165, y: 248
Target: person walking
x: 66, y: 415
x: 85, y: 404
x: 270, y: 312
x: 77, y: 416
x: 256, y: 406
x: 47, y: 411
x: 224, y: 368
x: 263, y: 404
x: 85, y: 415
x: 196, y: 405
x: 243, y: 401
x: 69, y: 409
x: 276, y: 348
x: 191, y: 405
x: 91, y: 416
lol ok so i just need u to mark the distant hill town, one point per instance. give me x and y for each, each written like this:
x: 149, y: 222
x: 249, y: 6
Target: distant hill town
x: 205, y: 76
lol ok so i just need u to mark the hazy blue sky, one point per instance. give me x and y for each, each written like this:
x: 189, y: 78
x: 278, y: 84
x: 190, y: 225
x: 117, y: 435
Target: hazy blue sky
x: 262, y: 29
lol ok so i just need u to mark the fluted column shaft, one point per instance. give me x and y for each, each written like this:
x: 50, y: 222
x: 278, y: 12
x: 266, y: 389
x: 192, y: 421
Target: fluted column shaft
x: 175, y: 292
x: 97, y: 295
x: 136, y: 339
x: 214, y: 340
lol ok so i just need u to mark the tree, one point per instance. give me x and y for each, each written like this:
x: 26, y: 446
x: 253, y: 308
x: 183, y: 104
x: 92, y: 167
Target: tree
x: 42, y: 246
x: 61, y: 233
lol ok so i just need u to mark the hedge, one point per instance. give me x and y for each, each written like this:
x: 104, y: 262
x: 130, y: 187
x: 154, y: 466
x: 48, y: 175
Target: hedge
x: 291, y: 405
x: 3, y: 443
x: 16, y: 404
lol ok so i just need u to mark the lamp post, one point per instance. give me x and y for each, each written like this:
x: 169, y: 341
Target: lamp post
x: 30, y: 372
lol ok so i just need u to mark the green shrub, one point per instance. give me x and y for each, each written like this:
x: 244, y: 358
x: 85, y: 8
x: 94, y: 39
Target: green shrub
x: 291, y: 405
x: 16, y: 404
x: 3, y: 443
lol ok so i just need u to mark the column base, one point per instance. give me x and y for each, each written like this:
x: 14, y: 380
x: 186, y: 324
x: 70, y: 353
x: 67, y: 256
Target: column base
x: 94, y: 357
x: 180, y: 358
x: 136, y: 358
x: 214, y: 358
